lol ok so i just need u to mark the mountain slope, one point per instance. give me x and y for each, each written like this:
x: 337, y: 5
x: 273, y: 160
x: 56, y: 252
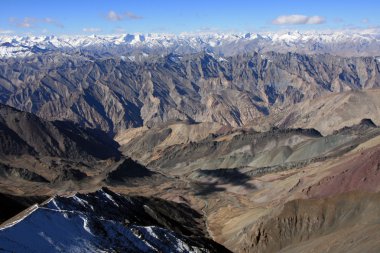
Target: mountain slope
x: 333, y: 112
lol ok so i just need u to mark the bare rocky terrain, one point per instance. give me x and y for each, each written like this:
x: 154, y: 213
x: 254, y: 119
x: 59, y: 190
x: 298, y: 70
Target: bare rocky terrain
x: 328, y: 113
x: 115, y: 94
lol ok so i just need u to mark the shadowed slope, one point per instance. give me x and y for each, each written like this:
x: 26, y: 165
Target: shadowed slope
x: 25, y: 133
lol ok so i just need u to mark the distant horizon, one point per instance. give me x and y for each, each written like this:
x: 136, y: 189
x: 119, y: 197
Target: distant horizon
x: 78, y: 18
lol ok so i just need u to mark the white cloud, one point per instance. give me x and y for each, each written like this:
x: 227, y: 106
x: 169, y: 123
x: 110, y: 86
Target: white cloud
x: 6, y: 31
x: 365, y: 21
x: 298, y: 20
x: 131, y: 15
x: 52, y: 21
x: 26, y: 22
x: 91, y: 30
x: 114, y: 16
x: 29, y: 22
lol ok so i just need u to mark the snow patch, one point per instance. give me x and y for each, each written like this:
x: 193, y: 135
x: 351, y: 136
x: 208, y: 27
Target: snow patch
x: 221, y: 59
x: 82, y: 202
x: 86, y: 225
x: 110, y: 198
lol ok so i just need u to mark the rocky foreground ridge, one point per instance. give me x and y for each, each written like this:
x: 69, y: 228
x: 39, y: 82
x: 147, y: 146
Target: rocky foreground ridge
x: 106, y: 222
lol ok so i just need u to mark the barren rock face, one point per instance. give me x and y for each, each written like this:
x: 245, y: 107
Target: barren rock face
x: 114, y: 94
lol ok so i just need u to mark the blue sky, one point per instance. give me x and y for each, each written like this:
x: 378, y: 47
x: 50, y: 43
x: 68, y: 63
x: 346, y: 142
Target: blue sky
x: 58, y: 17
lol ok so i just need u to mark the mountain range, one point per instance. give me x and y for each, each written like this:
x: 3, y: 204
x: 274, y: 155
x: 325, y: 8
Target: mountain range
x: 345, y: 43
x: 113, y: 94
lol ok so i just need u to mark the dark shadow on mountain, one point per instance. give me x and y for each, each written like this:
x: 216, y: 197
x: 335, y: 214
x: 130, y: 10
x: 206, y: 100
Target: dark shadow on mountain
x: 262, y: 109
x: 70, y: 175
x: 222, y: 176
x: 12, y: 205
x: 128, y: 169
x: 93, y: 141
x: 204, y: 189
x: 361, y: 127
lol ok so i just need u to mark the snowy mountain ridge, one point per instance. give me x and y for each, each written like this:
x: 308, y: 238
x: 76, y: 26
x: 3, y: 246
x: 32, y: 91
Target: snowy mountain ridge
x: 95, y: 222
x: 359, y: 42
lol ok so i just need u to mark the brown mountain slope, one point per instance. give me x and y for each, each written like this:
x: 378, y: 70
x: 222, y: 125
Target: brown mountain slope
x: 330, y: 112
x: 247, y: 150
